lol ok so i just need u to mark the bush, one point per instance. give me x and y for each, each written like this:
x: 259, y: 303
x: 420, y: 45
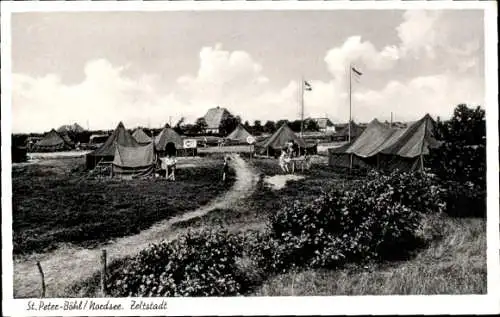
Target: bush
x: 367, y: 223
x: 196, y: 264
x: 418, y: 191
x: 461, y: 161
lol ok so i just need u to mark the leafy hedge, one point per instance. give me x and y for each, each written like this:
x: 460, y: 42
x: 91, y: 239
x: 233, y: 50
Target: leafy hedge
x: 378, y: 220
x: 196, y: 264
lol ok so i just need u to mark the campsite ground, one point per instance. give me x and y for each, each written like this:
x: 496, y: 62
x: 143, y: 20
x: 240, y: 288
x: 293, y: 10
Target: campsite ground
x: 453, y: 261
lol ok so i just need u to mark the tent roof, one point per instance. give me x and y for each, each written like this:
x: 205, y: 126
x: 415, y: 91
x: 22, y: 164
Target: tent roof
x: 53, y: 138
x: 415, y: 140
x: 134, y: 156
x: 282, y: 136
x: 239, y: 134
x: 214, y: 117
x: 166, y: 136
x: 120, y: 136
x: 355, y: 130
x: 409, y: 142
x: 141, y: 137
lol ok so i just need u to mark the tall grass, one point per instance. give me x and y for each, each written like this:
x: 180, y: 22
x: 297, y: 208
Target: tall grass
x: 51, y: 205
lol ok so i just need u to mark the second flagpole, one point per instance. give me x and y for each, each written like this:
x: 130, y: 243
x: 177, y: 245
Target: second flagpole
x: 350, y: 100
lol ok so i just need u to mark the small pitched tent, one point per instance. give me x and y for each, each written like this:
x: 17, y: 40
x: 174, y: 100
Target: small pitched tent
x: 166, y: 136
x: 380, y: 146
x: 106, y: 152
x: 52, y: 142
x: 141, y: 137
x: 239, y: 135
x: 278, y: 141
x: 133, y: 161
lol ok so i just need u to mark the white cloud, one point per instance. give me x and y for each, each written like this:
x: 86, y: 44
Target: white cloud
x: 357, y: 51
x: 104, y: 98
x: 436, y: 95
x: 234, y: 79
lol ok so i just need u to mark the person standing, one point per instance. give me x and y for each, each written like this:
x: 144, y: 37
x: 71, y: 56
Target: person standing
x: 283, y: 161
x: 171, y: 163
x: 225, y: 169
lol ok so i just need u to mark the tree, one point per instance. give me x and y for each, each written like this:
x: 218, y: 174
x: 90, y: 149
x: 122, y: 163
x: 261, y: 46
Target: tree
x: 461, y: 160
x: 227, y: 125
x: 280, y: 123
x: 269, y: 126
x: 257, y: 127
x: 311, y: 125
x: 295, y: 125
x: 200, y: 126
x: 179, y: 126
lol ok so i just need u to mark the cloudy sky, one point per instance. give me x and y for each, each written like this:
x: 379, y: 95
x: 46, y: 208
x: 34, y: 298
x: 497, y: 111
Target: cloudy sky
x: 143, y: 68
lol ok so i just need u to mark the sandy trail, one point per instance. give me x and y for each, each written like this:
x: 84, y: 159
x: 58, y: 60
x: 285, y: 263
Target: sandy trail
x: 278, y: 182
x: 67, y: 265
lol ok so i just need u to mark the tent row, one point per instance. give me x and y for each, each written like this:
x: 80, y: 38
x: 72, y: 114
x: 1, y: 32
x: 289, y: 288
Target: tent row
x: 384, y: 147
x: 137, y: 153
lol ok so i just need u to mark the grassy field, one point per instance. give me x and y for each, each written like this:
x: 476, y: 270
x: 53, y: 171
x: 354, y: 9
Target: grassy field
x: 53, y: 204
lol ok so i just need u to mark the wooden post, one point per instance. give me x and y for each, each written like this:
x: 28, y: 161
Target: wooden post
x: 103, y: 273
x: 43, y: 278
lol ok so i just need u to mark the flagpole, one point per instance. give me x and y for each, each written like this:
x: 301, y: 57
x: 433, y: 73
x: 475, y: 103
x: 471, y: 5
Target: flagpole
x: 350, y: 100
x: 301, y: 105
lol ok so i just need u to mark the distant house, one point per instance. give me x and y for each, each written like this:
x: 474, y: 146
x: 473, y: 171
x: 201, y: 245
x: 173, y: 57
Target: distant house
x: 75, y: 128
x: 214, y: 118
x: 324, y: 125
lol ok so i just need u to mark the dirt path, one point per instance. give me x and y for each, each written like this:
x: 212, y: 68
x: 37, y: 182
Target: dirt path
x: 68, y: 265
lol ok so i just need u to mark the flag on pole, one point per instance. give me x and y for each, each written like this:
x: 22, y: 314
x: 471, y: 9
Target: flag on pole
x: 357, y: 72
x: 307, y: 86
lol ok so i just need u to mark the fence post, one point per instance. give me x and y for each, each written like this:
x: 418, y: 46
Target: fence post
x: 103, y: 273
x: 43, y: 278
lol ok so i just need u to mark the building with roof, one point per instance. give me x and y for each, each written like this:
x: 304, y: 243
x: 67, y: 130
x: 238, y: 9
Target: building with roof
x: 214, y: 118
x: 325, y: 125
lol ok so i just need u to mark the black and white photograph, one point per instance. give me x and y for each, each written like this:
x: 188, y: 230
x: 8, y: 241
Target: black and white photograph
x: 157, y: 154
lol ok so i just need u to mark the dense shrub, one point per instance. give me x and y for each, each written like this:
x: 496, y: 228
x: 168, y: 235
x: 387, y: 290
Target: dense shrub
x: 461, y: 161
x: 423, y: 192
x: 465, y: 199
x: 340, y: 226
x: 196, y: 264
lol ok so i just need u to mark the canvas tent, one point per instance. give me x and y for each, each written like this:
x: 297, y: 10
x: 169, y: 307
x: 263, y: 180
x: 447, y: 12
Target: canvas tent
x: 381, y: 146
x: 141, y: 137
x: 52, y: 142
x: 133, y: 161
x: 279, y: 139
x: 166, y: 136
x: 239, y: 135
x: 106, y: 151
